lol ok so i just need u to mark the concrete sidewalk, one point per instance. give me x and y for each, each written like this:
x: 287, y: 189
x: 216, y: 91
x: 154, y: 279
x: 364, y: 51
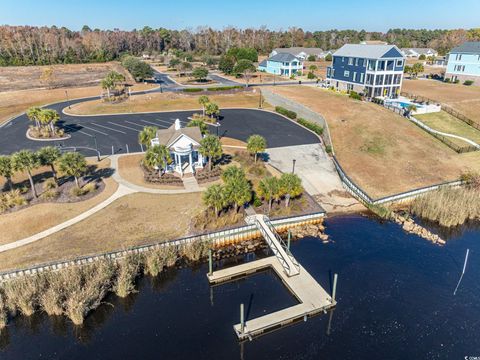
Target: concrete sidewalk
x: 318, y: 174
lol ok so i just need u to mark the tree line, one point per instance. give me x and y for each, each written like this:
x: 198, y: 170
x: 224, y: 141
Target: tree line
x: 28, y: 45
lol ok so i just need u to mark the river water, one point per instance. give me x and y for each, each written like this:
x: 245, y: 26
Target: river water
x: 395, y: 301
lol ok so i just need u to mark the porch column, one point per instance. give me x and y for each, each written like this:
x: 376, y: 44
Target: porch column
x: 190, y: 161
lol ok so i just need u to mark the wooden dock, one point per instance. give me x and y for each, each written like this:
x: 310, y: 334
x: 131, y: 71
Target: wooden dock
x: 312, y: 298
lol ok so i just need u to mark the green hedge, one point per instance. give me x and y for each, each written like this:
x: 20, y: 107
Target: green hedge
x: 317, y: 129
x: 354, y: 95
x: 192, y: 90
x: 288, y: 113
x: 224, y: 88
x: 468, y: 82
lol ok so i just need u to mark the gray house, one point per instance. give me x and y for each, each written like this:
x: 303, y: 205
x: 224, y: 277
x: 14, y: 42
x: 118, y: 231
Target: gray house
x: 301, y: 53
x: 375, y: 70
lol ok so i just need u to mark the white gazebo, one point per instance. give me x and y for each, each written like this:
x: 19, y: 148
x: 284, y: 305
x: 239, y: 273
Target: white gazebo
x: 183, y: 144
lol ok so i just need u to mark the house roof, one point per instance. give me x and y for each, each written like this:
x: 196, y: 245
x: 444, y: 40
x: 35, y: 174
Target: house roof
x: 283, y: 57
x: 373, y: 42
x: 469, y: 47
x: 365, y: 51
x: 168, y: 136
x: 297, y: 50
x: 263, y: 63
x: 419, y: 51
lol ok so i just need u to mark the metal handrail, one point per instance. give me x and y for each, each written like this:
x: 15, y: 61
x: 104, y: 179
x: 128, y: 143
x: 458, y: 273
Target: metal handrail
x: 281, y: 241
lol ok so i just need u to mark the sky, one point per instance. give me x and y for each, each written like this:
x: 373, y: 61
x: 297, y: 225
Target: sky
x: 370, y: 15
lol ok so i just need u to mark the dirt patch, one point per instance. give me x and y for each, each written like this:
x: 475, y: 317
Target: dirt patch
x: 464, y: 99
x: 135, y: 219
x: 381, y: 151
x: 165, y: 102
x: 54, y: 76
x: 230, y: 142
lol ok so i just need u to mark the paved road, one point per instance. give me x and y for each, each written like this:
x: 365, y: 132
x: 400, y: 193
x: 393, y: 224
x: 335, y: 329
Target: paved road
x: 117, y: 133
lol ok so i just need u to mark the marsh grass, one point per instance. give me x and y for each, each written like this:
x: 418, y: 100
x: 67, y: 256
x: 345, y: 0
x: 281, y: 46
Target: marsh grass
x: 158, y: 259
x: 195, y: 250
x: 3, y: 311
x: 22, y: 294
x: 448, y: 206
x: 53, y: 297
x: 128, y: 270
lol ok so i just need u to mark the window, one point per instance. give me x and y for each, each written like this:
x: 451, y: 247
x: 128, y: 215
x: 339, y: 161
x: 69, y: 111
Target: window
x: 361, y: 78
x: 349, y: 87
x: 381, y: 66
x: 458, y: 57
x: 399, y: 63
x: 350, y: 61
x: 354, y: 76
x: 371, y: 65
x: 346, y: 73
x: 343, y: 59
x: 357, y: 60
x: 379, y: 80
x: 328, y: 72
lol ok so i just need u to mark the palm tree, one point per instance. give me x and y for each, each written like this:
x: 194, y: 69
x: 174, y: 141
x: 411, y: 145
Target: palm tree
x: 256, y: 144
x: 48, y: 118
x: 33, y: 114
x: 73, y: 164
x: 238, y: 191
x: 111, y: 81
x: 6, y: 169
x: 269, y: 189
x: 146, y: 136
x: 157, y: 156
x: 214, y: 197
x: 211, y: 148
x: 233, y: 172
x: 26, y: 160
x: 48, y: 156
x: 203, y: 100
x: 200, y: 124
x: 212, y: 109
x: 290, y: 186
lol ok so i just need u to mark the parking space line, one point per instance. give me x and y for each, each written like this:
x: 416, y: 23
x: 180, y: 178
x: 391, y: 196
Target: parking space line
x: 135, y: 124
x: 156, y: 124
x: 108, y: 128
x: 123, y: 126
x: 73, y: 129
x: 168, y: 122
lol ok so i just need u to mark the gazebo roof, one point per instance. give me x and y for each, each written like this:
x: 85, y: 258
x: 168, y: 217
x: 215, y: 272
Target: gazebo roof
x: 169, y: 136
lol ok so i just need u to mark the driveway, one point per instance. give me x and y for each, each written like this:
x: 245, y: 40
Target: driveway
x: 317, y: 172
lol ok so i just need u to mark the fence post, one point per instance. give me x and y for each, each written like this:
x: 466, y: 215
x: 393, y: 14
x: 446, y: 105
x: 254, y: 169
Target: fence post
x: 242, y: 318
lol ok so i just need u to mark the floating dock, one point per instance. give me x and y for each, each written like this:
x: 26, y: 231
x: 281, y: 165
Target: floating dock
x: 312, y: 298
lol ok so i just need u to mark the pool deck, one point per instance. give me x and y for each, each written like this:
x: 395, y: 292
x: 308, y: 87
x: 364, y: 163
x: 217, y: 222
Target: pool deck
x: 312, y: 298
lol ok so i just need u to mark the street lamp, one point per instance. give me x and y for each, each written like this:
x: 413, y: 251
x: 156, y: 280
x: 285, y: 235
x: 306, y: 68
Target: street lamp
x: 66, y: 95
x: 293, y: 167
x: 96, y: 147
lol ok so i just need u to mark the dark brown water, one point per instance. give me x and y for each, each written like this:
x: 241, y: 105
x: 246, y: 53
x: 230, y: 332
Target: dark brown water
x: 395, y: 296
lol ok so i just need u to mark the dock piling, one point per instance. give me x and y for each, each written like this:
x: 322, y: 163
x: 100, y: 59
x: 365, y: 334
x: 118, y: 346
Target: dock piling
x: 289, y: 238
x: 242, y: 318
x: 334, y: 290
x: 210, y: 262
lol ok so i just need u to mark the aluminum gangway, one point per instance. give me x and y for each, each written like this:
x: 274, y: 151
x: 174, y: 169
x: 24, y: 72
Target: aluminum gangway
x: 276, y: 243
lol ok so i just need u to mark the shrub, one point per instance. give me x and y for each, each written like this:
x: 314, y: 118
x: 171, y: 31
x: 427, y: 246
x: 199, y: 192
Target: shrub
x: 310, y: 75
x: 192, y: 90
x: 11, y: 199
x: 288, y: 113
x: 195, y: 250
x: 49, y: 184
x: 49, y: 194
x: 468, y: 82
x: 22, y: 294
x: 51, y: 300
x: 311, y: 58
x: 456, y: 81
x: 328, y: 149
x: 156, y: 260
x: 317, y: 129
x: 87, y: 188
x: 447, y: 80
x: 224, y: 88
x: 354, y: 95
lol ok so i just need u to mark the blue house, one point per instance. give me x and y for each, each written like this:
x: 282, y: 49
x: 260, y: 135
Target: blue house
x: 281, y: 64
x: 375, y: 70
x: 464, y: 63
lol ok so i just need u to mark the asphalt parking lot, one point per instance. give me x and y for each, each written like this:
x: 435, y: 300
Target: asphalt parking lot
x: 119, y: 133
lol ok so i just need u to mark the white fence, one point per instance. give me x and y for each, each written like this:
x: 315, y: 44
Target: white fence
x: 217, y: 239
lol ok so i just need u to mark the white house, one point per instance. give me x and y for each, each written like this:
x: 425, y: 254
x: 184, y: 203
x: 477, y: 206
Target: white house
x: 301, y: 53
x: 417, y: 52
x: 183, y: 144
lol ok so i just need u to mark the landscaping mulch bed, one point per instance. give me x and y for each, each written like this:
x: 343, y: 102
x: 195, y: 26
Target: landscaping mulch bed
x: 203, y: 176
x: 152, y: 176
x: 63, y: 190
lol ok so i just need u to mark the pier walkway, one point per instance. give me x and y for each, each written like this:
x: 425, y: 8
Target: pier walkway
x: 312, y: 298
x: 276, y: 243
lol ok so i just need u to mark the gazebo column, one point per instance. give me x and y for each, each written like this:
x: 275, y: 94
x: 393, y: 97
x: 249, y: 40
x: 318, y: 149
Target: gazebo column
x: 191, y: 161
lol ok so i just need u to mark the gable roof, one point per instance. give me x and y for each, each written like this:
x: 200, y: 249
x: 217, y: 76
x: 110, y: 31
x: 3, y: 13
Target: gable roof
x: 283, y: 57
x: 366, y: 51
x: 169, y: 136
x: 263, y: 63
x: 469, y: 47
x: 419, y: 51
x: 297, y: 50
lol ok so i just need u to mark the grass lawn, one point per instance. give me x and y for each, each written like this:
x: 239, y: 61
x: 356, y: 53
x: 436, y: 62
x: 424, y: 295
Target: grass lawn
x: 165, y: 102
x: 131, y: 220
x: 31, y: 220
x: 464, y: 99
x: 382, y: 151
x: 445, y: 122
x: 13, y: 103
